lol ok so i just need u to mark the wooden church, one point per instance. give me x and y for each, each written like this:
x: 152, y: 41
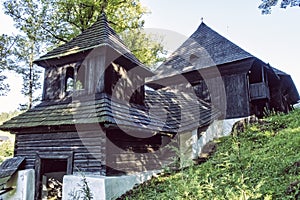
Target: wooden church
x: 96, y: 116
x: 222, y: 73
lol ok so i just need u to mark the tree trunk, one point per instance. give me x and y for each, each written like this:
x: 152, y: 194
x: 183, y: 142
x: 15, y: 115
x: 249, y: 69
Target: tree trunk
x: 31, y: 75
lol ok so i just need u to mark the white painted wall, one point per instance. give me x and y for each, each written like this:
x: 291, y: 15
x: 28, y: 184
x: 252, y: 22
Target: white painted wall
x: 217, y: 129
x: 23, y: 184
x: 103, y: 187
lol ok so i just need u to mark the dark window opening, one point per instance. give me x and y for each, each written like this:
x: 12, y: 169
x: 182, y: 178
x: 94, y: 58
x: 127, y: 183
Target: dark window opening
x: 69, y: 81
x: 257, y: 74
x: 52, y: 172
x: 202, y: 92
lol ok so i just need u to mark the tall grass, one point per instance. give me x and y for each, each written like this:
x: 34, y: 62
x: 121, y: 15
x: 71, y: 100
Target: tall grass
x: 263, y: 162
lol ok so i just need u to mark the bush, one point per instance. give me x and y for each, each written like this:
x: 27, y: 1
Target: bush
x: 7, y: 149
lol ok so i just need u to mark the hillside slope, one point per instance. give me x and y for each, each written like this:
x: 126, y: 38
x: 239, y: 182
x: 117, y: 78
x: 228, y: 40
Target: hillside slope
x: 262, y: 162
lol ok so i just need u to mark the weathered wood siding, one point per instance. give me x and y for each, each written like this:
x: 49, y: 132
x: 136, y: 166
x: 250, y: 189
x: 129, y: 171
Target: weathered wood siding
x: 88, y: 149
x: 259, y: 91
x: 129, y: 154
x: 91, y: 70
x: 124, y: 85
x: 237, y: 94
x: 228, y: 93
x: 52, y: 83
x: 95, y: 68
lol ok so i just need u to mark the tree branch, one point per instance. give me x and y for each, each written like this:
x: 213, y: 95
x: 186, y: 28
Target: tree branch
x: 54, y: 35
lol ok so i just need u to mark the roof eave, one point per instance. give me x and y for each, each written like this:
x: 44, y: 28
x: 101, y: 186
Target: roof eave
x: 47, y: 61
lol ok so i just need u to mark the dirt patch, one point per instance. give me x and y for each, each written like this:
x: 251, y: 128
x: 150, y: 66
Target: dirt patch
x: 293, y: 169
x: 294, y: 189
x: 207, y: 151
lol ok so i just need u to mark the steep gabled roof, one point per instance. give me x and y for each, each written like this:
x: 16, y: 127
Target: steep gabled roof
x: 208, y: 47
x: 99, y: 34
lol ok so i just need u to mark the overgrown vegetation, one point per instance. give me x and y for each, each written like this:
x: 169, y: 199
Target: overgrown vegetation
x: 262, y: 162
x: 7, y: 147
x: 84, y: 192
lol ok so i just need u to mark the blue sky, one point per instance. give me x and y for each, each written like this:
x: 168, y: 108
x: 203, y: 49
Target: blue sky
x: 274, y: 38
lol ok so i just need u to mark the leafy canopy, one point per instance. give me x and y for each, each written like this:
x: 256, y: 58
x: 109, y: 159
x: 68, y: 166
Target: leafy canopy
x: 125, y: 17
x: 45, y: 24
x: 5, y: 49
x: 266, y: 5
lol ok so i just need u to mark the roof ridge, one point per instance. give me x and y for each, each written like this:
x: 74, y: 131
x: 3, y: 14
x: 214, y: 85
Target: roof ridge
x: 209, y: 46
x: 98, y: 34
x: 204, y: 25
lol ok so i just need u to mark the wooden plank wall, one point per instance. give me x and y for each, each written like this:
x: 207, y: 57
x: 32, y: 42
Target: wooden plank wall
x: 52, y: 83
x: 232, y: 88
x: 125, y: 85
x: 238, y: 103
x: 95, y: 67
x: 88, y: 149
x: 128, y: 154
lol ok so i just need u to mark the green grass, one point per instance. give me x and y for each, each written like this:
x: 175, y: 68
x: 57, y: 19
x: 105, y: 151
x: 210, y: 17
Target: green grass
x: 263, y: 162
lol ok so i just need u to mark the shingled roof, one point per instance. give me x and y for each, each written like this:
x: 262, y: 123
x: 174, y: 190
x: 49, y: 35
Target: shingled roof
x: 170, y: 116
x: 208, y: 47
x: 99, y: 34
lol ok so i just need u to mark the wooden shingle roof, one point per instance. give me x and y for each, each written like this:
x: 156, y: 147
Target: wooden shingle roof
x: 182, y: 111
x: 8, y: 168
x: 169, y: 117
x: 99, y: 34
x: 208, y: 47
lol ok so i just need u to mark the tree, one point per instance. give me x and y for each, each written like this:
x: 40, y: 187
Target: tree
x: 24, y: 52
x: 6, y: 45
x: 125, y: 16
x: 49, y: 23
x: 266, y: 5
x: 28, y: 16
x: 145, y: 47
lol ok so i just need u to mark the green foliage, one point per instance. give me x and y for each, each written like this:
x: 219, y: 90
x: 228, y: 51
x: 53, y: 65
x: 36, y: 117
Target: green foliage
x: 147, y: 48
x: 266, y: 5
x: 84, y: 193
x: 263, y: 162
x: 85, y: 189
x: 6, y: 43
x: 7, y: 149
x: 81, y: 14
x: 29, y: 18
x: 4, y: 116
x: 125, y: 17
x: 49, y: 23
x: 54, y: 22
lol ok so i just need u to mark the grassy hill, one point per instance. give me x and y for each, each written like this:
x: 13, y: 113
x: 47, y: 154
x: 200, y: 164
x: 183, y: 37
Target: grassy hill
x: 262, y: 162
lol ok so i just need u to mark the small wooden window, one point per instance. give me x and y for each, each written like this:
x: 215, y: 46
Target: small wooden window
x: 69, y: 81
x: 75, y: 79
